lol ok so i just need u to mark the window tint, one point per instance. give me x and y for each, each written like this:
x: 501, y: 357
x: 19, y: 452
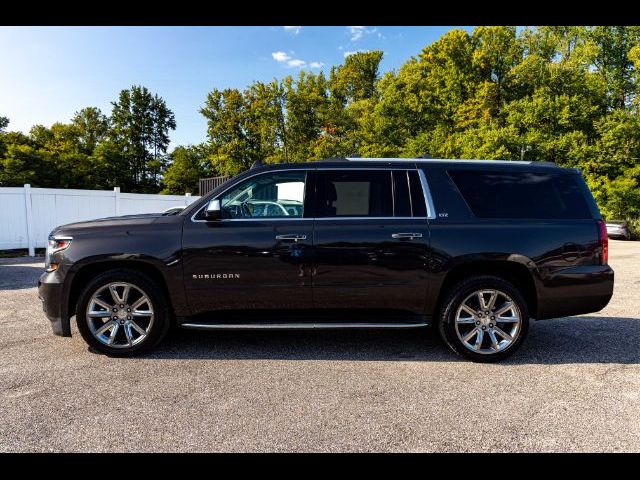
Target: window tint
x: 355, y: 193
x: 417, y: 195
x: 521, y: 194
x: 271, y: 195
x: 401, y: 197
x: 408, y: 197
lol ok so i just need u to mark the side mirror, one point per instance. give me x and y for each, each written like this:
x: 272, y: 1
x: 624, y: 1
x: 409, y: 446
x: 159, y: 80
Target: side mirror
x: 213, y: 210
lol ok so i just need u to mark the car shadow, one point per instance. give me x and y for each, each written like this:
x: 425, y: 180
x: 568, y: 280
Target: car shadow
x: 584, y: 339
x: 20, y: 273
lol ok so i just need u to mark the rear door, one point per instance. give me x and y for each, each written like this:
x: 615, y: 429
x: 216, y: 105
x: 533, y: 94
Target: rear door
x: 371, y: 240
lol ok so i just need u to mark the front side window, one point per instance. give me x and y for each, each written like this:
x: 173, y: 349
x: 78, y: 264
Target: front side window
x: 354, y: 193
x: 270, y: 195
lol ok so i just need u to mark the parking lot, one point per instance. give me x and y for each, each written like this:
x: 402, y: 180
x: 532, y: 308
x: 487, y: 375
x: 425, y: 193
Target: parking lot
x: 574, y: 386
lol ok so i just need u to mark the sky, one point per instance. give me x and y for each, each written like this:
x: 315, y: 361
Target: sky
x: 48, y: 73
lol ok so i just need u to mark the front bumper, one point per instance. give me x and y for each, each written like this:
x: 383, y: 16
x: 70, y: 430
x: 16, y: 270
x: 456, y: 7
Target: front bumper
x: 50, y: 291
x: 575, y: 291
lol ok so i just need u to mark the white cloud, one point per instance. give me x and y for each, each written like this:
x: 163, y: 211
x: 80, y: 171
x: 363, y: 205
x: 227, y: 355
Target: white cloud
x: 291, y: 62
x: 296, y: 62
x: 356, y: 32
x: 294, y: 30
x: 280, y: 56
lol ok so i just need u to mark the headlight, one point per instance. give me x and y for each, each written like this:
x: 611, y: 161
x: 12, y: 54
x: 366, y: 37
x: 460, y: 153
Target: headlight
x: 56, y: 244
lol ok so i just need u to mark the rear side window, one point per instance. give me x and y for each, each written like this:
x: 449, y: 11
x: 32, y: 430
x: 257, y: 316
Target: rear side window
x: 522, y: 194
x: 408, y: 198
x: 355, y: 193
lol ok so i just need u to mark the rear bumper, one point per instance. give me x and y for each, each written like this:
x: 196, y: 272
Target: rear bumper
x: 50, y: 292
x: 575, y: 291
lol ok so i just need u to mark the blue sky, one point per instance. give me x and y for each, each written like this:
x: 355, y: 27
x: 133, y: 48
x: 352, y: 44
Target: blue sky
x: 48, y: 73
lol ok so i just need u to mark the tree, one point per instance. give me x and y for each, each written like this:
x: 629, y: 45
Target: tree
x: 140, y: 124
x: 232, y: 145
x: 91, y: 127
x: 188, y: 165
x: 613, y: 63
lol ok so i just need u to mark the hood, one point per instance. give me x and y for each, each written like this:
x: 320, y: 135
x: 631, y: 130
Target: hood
x: 123, y: 222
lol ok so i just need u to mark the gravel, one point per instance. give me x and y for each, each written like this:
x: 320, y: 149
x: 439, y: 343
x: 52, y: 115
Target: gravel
x: 574, y: 386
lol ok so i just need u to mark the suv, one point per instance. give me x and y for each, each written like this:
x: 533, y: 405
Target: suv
x: 474, y: 248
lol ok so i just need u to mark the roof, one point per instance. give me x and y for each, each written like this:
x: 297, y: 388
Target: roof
x: 341, y: 162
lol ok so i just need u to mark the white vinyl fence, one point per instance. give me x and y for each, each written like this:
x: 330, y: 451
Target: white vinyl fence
x: 27, y: 215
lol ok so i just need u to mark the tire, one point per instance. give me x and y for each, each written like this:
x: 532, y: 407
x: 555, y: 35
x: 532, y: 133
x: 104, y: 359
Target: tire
x: 137, y: 330
x: 455, y: 322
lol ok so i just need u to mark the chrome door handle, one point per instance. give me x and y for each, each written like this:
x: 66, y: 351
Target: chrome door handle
x: 295, y: 237
x: 408, y: 236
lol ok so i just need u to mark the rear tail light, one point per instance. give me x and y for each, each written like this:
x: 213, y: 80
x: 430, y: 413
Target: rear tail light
x: 604, y: 242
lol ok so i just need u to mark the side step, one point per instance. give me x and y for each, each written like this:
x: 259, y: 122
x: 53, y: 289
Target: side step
x: 297, y: 326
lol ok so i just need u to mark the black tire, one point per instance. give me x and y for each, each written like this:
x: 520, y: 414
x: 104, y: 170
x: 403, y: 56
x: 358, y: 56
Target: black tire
x: 161, y: 319
x: 453, y: 301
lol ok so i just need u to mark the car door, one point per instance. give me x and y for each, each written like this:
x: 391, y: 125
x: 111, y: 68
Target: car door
x: 257, y: 255
x: 371, y: 240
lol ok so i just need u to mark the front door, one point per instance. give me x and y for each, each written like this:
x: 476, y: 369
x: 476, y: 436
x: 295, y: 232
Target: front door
x: 257, y: 255
x: 371, y: 240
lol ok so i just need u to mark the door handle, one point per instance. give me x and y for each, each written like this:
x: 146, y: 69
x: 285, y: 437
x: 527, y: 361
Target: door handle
x: 407, y: 236
x: 294, y: 236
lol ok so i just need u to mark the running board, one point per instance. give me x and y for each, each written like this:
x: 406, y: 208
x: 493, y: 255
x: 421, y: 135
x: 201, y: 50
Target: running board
x: 296, y: 326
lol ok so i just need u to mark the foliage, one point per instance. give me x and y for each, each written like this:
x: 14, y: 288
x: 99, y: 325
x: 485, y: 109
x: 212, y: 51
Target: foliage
x: 127, y: 149
x: 188, y: 165
x: 567, y: 94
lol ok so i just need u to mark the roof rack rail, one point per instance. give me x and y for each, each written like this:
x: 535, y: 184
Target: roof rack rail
x: 454, y: 160
x: 334, y: 159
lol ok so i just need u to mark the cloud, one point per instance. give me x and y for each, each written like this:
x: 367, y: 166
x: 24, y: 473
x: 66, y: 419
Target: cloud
x: 294, y: 30
x: 356, y: 32
x: 280, y: 56
x: 289, y: 61
x: 296, y: 62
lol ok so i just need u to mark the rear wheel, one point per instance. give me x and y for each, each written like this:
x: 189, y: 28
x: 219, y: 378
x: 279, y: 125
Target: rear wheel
x: 122, y: 313
x: 484, y: 319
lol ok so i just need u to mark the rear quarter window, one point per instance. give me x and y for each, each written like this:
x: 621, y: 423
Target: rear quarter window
x: 529, y: 195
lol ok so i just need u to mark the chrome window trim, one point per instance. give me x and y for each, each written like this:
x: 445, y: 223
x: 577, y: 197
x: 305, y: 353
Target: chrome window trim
x: 296, y: 219
x: 423, y: 181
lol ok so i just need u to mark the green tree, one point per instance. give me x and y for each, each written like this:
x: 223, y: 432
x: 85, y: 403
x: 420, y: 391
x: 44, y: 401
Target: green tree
x: 140, y: 124
x: 188, y: 165
x: 91, y: 127
x: 613, y: 63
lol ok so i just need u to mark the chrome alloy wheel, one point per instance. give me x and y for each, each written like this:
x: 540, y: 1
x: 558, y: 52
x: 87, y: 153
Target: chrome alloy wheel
x: 120, y: 315
x: 488, y: 321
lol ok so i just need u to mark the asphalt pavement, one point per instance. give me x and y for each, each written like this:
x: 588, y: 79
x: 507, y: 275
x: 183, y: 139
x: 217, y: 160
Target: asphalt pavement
x: 573, y: 386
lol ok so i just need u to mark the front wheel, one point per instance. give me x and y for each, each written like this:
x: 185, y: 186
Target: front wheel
x: 122, y: 313
x: 484, y: 319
